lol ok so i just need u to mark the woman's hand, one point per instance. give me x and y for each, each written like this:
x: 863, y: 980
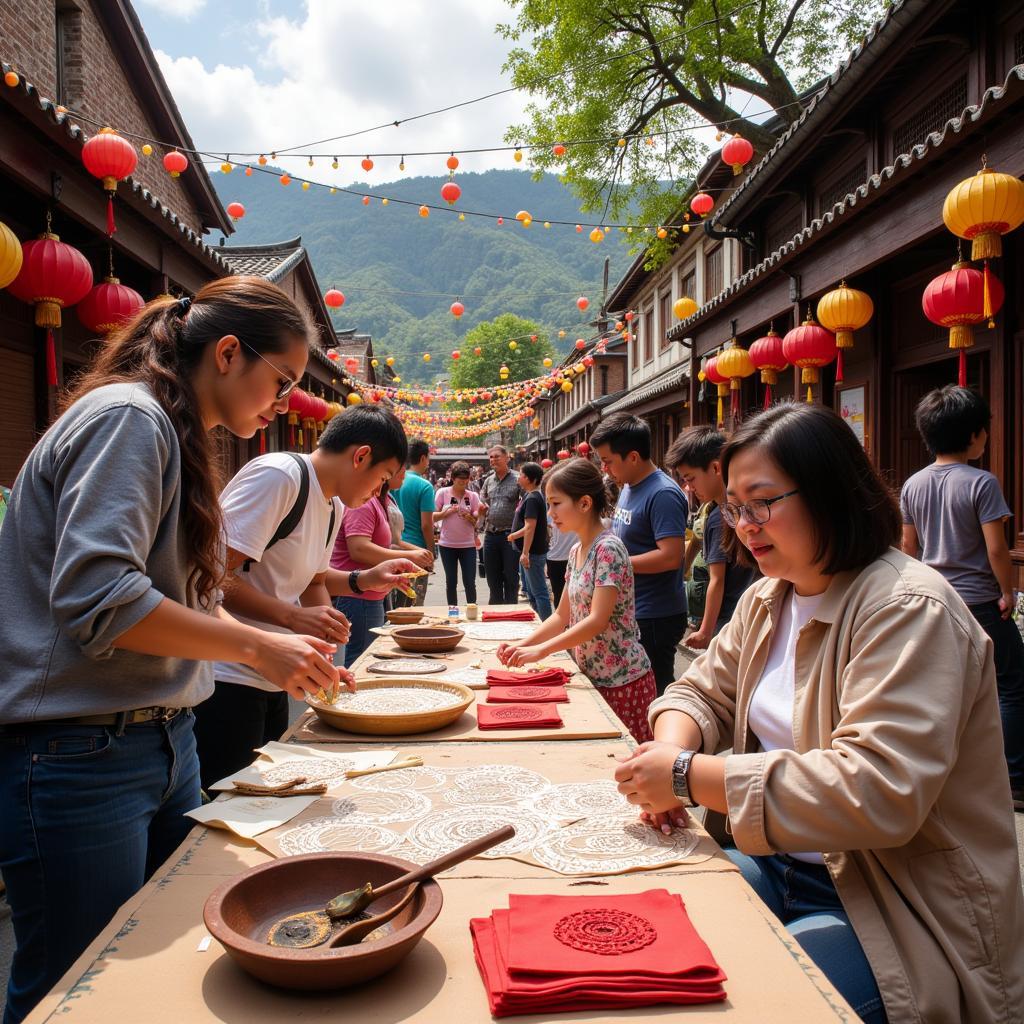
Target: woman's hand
x: 645, y: 778
x: 385, y: 575
x: 504, y: 651
x: 667, y: 820
x: 320, y: 621
x: 422, y: 557
x: 523, y: 656
x: 524, y: 559
x: 297, y: 664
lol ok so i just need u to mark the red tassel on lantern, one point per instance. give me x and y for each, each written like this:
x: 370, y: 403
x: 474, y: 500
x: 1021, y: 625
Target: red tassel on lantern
x: 111, y: 158
x: 51, y: 359
x: 839, y: 366
x: 263, y: 441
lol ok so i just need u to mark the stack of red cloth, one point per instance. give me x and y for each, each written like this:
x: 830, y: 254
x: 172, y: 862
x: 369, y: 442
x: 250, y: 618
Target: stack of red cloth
x: 528, y: 694
x: 551, y: 954
x: 518, y: 716
x: 519, y: 615
x: 547, y: 677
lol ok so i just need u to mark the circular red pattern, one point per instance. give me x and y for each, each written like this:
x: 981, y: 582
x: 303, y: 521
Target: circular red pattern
x: 518, y: 714
x: 540, y: 692
x: 606, y: 932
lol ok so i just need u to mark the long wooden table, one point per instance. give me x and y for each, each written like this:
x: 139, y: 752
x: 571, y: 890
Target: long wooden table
x: 155, y: 961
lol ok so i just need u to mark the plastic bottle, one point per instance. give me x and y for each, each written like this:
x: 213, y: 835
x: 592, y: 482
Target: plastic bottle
x: 453, y: 612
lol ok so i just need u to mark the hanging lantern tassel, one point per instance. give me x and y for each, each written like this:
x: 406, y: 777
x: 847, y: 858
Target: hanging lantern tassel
x: 734, y: 403
x: 51, y: 359
x: 809, y: 376
x: 723, y: 390
x: 961, y: 338
x: 986, y: 305
x: 293, y: 422
x: 768, y: 378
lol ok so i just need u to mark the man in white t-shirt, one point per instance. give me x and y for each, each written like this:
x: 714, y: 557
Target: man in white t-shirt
x: 279, y: 551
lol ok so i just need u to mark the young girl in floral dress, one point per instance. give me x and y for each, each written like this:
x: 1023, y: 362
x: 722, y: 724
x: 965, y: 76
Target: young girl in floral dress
x: 595, y: 618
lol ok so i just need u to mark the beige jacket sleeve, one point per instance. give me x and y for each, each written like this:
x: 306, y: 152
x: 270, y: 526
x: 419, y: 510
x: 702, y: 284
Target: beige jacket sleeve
x: 888, y: 759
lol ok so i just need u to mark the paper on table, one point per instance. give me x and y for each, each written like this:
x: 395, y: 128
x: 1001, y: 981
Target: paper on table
x: 279, y: 762
x: 248, y: 816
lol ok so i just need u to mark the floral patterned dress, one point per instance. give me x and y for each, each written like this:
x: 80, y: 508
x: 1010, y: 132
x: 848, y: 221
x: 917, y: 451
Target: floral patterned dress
x: 614, y: 661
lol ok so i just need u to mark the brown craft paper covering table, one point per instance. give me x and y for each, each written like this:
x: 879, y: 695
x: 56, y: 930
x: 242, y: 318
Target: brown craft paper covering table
x: 157, y: 934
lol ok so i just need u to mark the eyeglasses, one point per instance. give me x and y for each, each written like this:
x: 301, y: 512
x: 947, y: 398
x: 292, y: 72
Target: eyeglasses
x: 287, y: 387
x: 757, y: 511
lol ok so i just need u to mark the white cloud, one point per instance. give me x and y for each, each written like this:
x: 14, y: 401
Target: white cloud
x: 329, y: 71
x: 184, y: 9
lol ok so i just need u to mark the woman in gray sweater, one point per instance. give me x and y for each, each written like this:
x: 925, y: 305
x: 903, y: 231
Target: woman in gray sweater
x: 113, y: 556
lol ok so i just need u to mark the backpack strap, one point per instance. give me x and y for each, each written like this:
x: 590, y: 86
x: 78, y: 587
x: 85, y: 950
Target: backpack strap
x: 295, y: 513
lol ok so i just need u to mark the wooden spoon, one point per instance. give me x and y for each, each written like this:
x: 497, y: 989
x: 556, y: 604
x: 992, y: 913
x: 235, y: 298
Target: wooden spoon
x: 355, y: 931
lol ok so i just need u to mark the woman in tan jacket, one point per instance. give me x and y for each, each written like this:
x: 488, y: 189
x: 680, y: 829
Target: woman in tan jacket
x: 867, y: 798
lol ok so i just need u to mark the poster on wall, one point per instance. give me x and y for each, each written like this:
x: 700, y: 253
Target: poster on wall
x: 852, y: 403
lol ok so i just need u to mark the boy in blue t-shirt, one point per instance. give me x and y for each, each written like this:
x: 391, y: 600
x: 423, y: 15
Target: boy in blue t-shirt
x: 650, y: 519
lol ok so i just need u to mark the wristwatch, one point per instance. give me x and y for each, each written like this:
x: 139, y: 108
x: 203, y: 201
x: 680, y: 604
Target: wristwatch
x: 681, y: 778
x: 353, y: 581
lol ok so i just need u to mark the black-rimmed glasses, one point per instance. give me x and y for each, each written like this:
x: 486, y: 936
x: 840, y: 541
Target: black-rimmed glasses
x: 758, y: 510
x: 287, y: 387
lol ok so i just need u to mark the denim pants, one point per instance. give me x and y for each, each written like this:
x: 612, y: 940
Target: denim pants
x: 535, y: 582
x: 660, y: 638
x: 803, y: 897
x: 451, y: 559
x: 1008, y: 652
x: 363, y: 614
x: 501, y: 564
x: 86, y: 816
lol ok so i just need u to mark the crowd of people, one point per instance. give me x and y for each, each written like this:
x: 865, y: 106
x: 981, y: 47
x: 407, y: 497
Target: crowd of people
x: 852, y: 719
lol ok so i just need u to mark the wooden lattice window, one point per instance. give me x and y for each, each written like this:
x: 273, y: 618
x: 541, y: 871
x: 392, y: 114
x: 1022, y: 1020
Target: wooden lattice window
x: 840, y: 187
x: 931, y: 117
x: 714, y: 272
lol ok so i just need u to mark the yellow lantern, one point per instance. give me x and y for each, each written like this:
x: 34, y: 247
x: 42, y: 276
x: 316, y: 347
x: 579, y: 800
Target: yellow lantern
x: 390, y: 360
x: 426, y: 357
x: 354, y: 398
x: 10, y: 255
x: 513, y: 345
x: 843, y: 311
x: 597, y: 235
x: 566, y: 386
x: 735, y: 363
x: 547, y: 361
x: 684, y: 307
x: 984, y: 207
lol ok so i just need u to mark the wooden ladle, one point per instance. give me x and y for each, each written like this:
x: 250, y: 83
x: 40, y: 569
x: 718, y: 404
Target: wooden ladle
x: 317, y: 927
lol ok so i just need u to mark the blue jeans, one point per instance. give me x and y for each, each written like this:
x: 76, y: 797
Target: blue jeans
x: 1008, y: 653
x: 803, y: 898
x: 535, y: 582
x: 451, y: 559
x: 86, y: 816
x: 363, y: 615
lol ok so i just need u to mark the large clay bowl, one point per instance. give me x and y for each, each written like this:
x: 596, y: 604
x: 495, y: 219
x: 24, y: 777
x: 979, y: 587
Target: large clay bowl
x: 427, y: 639
x: 404, y: 616
x: 395, y: 723
x: 240, y: 913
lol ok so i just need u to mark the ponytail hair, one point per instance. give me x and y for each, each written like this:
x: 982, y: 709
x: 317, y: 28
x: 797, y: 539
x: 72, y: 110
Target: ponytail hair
x: 161, y: 348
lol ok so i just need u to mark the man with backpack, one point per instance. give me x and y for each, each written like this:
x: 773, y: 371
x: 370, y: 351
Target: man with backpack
x: 282, y: 512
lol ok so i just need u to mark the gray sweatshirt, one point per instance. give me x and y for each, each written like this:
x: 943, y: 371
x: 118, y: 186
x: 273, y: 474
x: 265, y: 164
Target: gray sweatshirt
x: 91, y: 544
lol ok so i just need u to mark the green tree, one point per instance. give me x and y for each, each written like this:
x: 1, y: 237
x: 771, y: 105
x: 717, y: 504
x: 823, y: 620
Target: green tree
x: 492, y: 338
x: 639, y: 68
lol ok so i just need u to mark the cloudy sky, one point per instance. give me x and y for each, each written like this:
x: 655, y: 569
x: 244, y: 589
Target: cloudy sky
x: 266, y: 74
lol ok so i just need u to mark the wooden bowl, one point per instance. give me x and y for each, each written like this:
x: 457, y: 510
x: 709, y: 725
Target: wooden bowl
x: 427, y: 639
x: 404, y: 616
x: 241, y: 912
x: 395, y: 723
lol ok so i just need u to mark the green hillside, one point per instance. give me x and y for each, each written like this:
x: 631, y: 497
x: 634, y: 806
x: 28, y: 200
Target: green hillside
x: 401, y: 272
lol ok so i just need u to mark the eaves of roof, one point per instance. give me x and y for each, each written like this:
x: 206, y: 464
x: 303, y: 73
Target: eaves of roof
x: 595, y: 406
x: 889, y: 177
x: 667, y: 380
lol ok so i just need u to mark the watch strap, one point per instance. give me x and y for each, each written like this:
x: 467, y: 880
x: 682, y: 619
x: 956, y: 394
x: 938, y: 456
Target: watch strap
x: 353, y: 581
x: 681, y: 778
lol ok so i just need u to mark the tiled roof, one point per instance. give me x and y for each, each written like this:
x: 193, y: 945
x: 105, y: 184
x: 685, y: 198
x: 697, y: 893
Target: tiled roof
x: 1012, y: 88
x: 668, y: 380
x: 273, y: 261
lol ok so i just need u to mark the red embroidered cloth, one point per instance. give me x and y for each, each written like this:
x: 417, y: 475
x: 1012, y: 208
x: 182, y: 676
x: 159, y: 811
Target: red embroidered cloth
x: 522, y: 615
x: 562, y: 953
x: 528, y: 693
x: 518, y: 716
x: 546, y: 677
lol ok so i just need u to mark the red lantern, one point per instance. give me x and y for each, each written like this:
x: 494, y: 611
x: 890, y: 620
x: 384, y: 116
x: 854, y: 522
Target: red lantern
x: 809, y: 346
x: 588, y: 361
x: 737, y: 152
x: 366, y: 200
x: 450, y: 192
x: 333, y: 356
x: 351, y: 364
x: 112, y: 158
x: 175, y: 163
x: 580, y: 345
x: 452, y: 162
x: 477, y: 351
x: 563, y: 454
x: 583, y: 448
x: 957, y: 300
x: 546, y: 463
x: 236, y: 211
x: 334, y: 298
x: 456, y: 354
x: 628, y: 316
x: 702, y: 204
x: 108, y: 306
x: 767, y: 356
x: 53, y: 275
x: 558, y: 149
x: 721, y: 382
x: 457, y: 309
x: 366, y: 163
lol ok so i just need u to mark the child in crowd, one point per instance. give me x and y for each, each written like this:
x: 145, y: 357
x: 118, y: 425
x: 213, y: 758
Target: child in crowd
x: 650, y: 520
x: 694, y: 458
x: 595, y: 618
x: 953, y: 520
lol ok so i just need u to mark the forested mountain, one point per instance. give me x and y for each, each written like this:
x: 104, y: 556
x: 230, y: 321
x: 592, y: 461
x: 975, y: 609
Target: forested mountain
x: 400, y: 272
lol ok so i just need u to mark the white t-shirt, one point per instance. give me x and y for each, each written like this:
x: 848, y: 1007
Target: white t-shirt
x: 770, y: 714
x: 255, y: 502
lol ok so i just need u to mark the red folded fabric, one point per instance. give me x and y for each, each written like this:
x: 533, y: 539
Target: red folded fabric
x: 521, y: 615
x: 620, y: 958
x: 518, y: 716
x: 542, y: 677
x: 527, y: 694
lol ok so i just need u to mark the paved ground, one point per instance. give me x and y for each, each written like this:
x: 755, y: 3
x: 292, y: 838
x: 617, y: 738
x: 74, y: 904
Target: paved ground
x: 435, y: 595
